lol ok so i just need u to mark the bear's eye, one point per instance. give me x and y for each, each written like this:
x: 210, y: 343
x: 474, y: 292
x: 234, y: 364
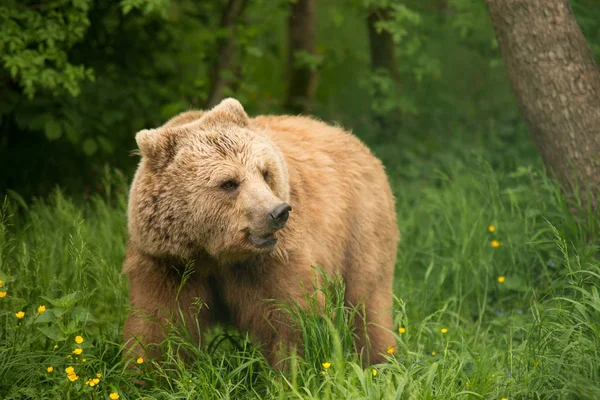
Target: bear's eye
x: 266, y: 175
x: 229, y: 185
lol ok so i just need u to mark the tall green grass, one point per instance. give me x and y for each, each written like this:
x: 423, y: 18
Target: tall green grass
x: 533, y: 334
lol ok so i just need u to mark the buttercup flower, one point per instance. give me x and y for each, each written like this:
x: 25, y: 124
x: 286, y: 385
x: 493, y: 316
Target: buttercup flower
x: 491, y: 228
x: 55, y: 346
x: 92, y: 382
x: 71, y: 374
x: 391, y: 350
x: 323, y: 372
x: 326, y: 365
x: 433, y: 353
x: 374, y: 372
x: 402, y: 330
x: 50, y: 369
x: 1, y: 282
x: 83, y: 360
x: 495, y: 243
x: 140, y: 360
x: 501, y: 279
x: 99, y: 375
x: 78, y: 351
x: 41, y: 309
x: 114, y: 396
x: 504, y: 398
x: 2, y: 294
x: 20, y: 314
x: 78, y: 339
x: 444, y: 330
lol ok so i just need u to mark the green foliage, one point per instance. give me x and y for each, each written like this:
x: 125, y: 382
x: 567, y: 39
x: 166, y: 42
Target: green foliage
x: 35, y: 39
x: 80, y: 77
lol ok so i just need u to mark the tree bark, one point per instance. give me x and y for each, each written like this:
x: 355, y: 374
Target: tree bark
x: 225, y: 58
x: 557, y: 86
x: 302, y: 78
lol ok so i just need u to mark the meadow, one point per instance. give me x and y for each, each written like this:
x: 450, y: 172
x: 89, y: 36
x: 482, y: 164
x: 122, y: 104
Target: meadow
x: 496, y: 296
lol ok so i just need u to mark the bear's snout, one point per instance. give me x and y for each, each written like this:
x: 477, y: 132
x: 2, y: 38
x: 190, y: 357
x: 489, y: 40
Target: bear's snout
x: 279, y: 215
x: 264, y: 237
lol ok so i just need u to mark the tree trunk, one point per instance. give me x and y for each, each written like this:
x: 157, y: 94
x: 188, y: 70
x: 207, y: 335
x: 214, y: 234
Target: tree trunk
x: 381, y: 44
x: 222, y: 68
x: 383, y: 63
x: 302, y: 77
x: 557, y: 85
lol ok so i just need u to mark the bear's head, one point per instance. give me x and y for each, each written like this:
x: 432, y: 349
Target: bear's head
x: 211, y: 186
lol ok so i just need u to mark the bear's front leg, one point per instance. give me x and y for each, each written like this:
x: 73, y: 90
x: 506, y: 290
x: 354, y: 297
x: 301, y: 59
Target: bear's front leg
x: 157, y: 297
x: 255, y: 299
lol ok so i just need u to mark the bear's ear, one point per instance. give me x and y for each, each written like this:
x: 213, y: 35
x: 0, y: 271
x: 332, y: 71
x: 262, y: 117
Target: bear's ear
x: 156, y: 144
x: 226, y: 112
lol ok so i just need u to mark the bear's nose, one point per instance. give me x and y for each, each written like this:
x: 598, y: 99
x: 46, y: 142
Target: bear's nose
x: 280, y: 213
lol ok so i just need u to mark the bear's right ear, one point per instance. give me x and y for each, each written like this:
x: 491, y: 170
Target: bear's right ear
x: 156, y: 144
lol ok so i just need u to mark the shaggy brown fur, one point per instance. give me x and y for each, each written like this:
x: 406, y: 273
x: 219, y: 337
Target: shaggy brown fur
x: 342, y: 219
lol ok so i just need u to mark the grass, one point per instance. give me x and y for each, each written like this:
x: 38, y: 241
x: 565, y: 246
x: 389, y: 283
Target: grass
x: 535, y: 333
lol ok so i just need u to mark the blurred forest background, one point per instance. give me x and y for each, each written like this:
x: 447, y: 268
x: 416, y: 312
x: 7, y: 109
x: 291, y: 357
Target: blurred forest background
x: 79, y: 78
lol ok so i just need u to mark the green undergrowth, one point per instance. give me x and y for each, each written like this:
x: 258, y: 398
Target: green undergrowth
x: 496, y: 297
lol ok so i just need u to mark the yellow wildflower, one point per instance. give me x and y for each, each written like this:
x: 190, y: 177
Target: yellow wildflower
x: 444, y: 330
x: 495, y: 243
x: 83, y: 359
x: 41, y: 309
x: 99, y: 375
x: 69, y: 370
x: 92, y: 382
x: 433, y: 353
x: 504, y: 398
x: 402, y: 330
x: 113, y: 396
x: 50, y: 369
x: 20, y: 314
x: 326, y: 365
x: 374, y: 372
x: 491, y: 228
x: 78, y: 339
x: 391, y: 350
x: 1, y: 282
x: 501, y: 279
x: 140, y: 360
x: 72, y: 376
x: 323, y: 372
x: 78, y: 351
x: 55, y: 346
x: 2, y: 294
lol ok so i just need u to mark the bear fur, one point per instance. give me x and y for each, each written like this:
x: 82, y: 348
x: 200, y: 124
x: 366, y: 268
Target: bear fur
x: 204, y: 193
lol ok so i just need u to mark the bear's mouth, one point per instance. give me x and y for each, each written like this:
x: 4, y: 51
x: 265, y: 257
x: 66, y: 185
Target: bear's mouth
x: 263, y: 242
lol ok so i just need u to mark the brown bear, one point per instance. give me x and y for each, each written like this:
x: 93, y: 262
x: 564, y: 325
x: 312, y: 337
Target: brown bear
x: 255, y: 204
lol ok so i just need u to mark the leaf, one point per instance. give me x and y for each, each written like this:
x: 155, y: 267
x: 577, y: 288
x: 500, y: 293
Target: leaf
x: 66, y: 301
x: 53, y: 332
x: 90, y: 147
x: 105, y: 145
x: 72, y: 134
x: 47, y: 316
x: 52, y: 129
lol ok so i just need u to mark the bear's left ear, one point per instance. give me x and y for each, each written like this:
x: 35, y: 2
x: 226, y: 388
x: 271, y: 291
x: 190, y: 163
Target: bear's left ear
x: 227, y: 111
